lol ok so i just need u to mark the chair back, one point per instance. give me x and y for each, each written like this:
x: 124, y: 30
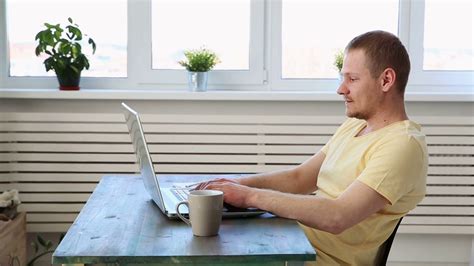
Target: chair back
x: 384, y: 250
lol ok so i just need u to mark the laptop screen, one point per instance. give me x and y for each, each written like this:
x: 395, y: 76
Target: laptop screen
x: 141, y: 150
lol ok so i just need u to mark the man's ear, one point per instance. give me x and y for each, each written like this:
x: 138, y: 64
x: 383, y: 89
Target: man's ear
x: 387, y: 79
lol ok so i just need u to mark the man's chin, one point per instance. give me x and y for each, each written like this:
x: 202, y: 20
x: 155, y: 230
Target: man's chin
x: 354, y: 115
x: 350, y: 114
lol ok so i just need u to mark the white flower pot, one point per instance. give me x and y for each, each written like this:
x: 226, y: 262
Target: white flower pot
x: 197, y: 81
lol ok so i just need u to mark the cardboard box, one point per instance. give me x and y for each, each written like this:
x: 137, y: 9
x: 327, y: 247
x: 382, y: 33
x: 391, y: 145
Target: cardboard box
x: 13, y: 241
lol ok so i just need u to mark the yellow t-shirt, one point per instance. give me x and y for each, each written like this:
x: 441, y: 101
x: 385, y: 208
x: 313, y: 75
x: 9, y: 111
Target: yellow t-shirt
x: 393, y: 161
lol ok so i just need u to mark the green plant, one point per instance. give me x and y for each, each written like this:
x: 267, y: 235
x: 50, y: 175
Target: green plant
x: 46, y: 246
x: 200, y: 60
x: 338, y: 60
x: 64, y: 49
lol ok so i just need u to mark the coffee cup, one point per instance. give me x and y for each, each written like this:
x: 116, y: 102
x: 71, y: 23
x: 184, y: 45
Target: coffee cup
x: 205, y: 211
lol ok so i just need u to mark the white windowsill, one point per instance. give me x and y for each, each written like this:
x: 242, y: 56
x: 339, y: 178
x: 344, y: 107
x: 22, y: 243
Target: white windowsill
x: 100, y: 94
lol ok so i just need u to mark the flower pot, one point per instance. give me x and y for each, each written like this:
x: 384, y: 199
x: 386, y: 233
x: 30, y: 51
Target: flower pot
x: 69, y: 80
x: 197, y: 81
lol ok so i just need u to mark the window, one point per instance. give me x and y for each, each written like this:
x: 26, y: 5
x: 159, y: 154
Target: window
x: 441, y: 46
x: 313, y: 31
x: 223, y: 27
x: 108, y: 29
x: 448, y: 41
x: 234, y: 30
x: 264, y: 45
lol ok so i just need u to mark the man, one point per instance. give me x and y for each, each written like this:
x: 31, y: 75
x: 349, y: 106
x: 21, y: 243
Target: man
x: 368, y: 176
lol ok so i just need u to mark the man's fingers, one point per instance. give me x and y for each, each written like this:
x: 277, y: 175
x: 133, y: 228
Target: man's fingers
x: 201, y: 186
x: 205, y: 185
x: 214, y: 185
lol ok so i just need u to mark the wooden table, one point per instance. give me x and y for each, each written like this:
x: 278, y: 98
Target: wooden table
x: 120, y: 224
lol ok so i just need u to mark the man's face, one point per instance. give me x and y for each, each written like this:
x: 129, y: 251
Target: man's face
x: 361, y: 92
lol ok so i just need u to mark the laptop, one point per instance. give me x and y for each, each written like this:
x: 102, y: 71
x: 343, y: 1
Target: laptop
x: 167, y: 196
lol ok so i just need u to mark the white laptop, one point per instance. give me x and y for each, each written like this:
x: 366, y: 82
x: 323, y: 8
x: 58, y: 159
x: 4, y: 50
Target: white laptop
x: 166, y: 197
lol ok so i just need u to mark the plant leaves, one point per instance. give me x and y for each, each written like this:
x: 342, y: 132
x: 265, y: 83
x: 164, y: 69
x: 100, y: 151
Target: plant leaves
x: 38, y: 50
x: 35, y: 246
x: 93, y: 45
x: 38, y: 35
x: 49, y: 245
x: 200, y: 60
x: 41, y: 240
x: 76, y: 32
x: 48, y: 37
x: 48, y: 64
x: 65, y: 51
x: 75, y: 69
x: 57, y: 34
x: 64, y: 48
x: 74, y: 51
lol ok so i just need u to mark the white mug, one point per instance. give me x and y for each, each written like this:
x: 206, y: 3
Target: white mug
x: 205, y: 211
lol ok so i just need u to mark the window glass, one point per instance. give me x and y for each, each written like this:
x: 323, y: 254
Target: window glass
x: 314, y: 31
x: 221, y: 26
x: 105, y: 21
x: 448, y: 43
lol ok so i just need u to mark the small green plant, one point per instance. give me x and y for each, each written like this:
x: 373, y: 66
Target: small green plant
x: 64, y: 49
x: 338, y: 60
x: 200, y: 60
x: 46, y: 247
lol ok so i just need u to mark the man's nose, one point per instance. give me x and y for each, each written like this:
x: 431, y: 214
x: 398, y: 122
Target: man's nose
x: 342, y: 89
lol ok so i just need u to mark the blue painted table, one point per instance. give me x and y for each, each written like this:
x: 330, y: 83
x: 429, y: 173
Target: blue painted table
x: 121, y: 225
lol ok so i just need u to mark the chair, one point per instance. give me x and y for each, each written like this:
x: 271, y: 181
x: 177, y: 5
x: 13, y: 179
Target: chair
x: 384, y: 250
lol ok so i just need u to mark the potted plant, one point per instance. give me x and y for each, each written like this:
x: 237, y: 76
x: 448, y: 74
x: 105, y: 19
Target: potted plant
x: 65, y: 53
x: 338, y: 60
x: 42, y: 247
x: 198, y: 63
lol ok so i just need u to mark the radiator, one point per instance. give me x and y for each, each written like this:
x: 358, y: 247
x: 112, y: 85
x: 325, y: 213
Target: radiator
x: 55, y: 160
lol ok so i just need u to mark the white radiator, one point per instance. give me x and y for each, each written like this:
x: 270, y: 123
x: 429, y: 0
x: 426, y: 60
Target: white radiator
x: 55, y: 159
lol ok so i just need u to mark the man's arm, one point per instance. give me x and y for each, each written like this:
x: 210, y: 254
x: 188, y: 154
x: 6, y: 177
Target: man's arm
x: 301, y: 179
x: 358, y: 202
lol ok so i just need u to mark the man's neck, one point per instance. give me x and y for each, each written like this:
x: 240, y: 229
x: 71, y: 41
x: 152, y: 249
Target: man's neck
x: 384, y: 118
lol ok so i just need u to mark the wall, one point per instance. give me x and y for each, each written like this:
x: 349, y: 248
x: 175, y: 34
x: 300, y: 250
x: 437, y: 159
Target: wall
x: 408, y: 249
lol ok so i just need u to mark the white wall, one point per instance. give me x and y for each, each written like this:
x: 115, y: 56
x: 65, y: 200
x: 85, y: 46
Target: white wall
x: 408, y: 249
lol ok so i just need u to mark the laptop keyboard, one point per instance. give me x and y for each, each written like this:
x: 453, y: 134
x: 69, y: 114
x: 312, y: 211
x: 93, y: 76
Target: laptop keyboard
x: 181, y: 194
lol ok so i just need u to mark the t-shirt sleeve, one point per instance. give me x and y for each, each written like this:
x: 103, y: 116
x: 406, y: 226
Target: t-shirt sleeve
x: 395, y: 168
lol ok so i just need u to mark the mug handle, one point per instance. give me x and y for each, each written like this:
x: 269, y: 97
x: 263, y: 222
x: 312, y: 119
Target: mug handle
x: 180, y: 215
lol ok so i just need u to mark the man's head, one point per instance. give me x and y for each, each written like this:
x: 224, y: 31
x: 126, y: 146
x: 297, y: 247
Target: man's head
x: 383, y: 50
x: 375, y: 71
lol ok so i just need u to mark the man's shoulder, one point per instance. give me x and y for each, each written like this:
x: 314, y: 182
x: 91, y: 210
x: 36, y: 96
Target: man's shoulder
x: 407, y: 129
x: 406, y: 135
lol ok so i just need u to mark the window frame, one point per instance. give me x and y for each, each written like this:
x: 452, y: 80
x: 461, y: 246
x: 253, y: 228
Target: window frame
x: 265, y: 55
x: 315, y: 84
x: 277, y: 83
x: 430, y: 78
x: 46, y: 81
x: 141, y: 54
x: 410, y: 32
x: 139, y: 72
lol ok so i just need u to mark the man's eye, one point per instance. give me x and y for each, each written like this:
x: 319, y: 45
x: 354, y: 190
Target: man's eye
x: 352, y: 79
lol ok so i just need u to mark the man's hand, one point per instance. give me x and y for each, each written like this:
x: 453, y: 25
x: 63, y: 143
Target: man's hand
x: 204, y: 185
x: 235, y: 194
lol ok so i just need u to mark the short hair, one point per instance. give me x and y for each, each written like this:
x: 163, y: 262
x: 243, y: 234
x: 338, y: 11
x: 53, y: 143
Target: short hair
x: 383, y: 50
